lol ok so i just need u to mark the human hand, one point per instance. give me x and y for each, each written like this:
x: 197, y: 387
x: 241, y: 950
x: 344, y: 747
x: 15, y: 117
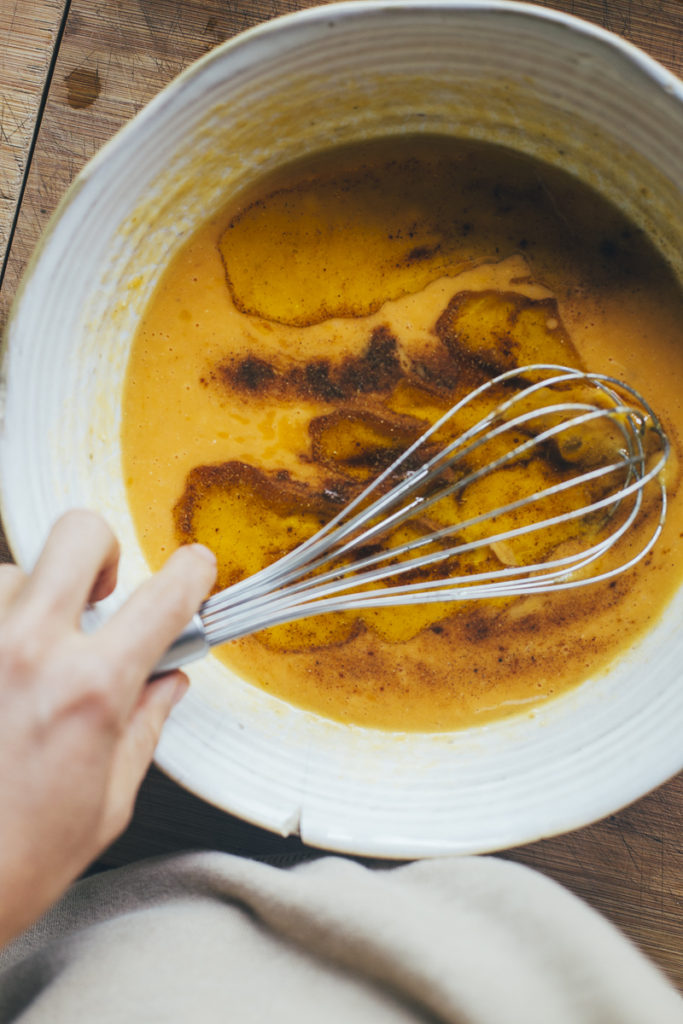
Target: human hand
x: 79, y: 720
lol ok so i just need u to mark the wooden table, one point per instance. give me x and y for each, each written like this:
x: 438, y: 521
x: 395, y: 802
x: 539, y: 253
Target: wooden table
x: 72, y: 72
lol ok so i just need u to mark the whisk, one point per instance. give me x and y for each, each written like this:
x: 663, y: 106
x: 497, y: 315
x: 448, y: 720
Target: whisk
x: 540, y: 410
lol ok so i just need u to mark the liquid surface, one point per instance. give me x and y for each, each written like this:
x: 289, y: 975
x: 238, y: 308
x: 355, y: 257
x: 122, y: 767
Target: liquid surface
x: 305, y: 336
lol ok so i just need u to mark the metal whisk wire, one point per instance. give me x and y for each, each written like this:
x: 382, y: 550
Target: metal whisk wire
x: 316, y: 577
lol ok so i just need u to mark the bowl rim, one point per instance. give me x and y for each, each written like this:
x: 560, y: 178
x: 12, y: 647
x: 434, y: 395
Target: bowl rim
x: 270, y: 32
x: 330, y: 13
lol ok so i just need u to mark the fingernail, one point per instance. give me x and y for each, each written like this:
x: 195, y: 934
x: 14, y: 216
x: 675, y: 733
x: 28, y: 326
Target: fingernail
x: 205, y: 553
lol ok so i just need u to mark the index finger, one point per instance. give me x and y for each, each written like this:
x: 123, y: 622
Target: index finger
x: 79, y: 559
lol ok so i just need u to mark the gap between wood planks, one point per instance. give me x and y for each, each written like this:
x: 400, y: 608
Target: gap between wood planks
x: 18, y: 79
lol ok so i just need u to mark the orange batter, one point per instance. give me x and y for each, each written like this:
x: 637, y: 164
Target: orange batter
x: 309, y: 330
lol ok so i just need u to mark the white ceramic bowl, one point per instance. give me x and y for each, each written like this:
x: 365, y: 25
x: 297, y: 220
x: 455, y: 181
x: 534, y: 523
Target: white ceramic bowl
x: 538, y: 81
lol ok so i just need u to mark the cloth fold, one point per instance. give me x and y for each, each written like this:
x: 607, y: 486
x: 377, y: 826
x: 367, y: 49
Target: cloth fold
x: 208, y: 936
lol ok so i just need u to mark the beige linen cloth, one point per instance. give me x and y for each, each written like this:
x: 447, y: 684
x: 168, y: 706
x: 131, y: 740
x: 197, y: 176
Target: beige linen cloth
x: 210, y: 937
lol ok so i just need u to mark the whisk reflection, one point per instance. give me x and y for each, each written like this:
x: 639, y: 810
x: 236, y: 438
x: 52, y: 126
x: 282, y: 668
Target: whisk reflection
x: 526, y: 485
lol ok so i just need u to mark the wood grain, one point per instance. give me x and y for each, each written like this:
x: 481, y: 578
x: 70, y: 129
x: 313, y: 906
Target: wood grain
x: 656, y: 26
x: 630, y: 868
x: 112, y: 59
x: 28, y: 33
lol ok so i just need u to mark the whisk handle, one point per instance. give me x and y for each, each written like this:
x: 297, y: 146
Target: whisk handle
x: 190, y: 645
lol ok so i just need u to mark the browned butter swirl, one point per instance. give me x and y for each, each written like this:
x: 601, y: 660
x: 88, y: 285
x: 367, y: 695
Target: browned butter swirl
x: 310, y: 332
